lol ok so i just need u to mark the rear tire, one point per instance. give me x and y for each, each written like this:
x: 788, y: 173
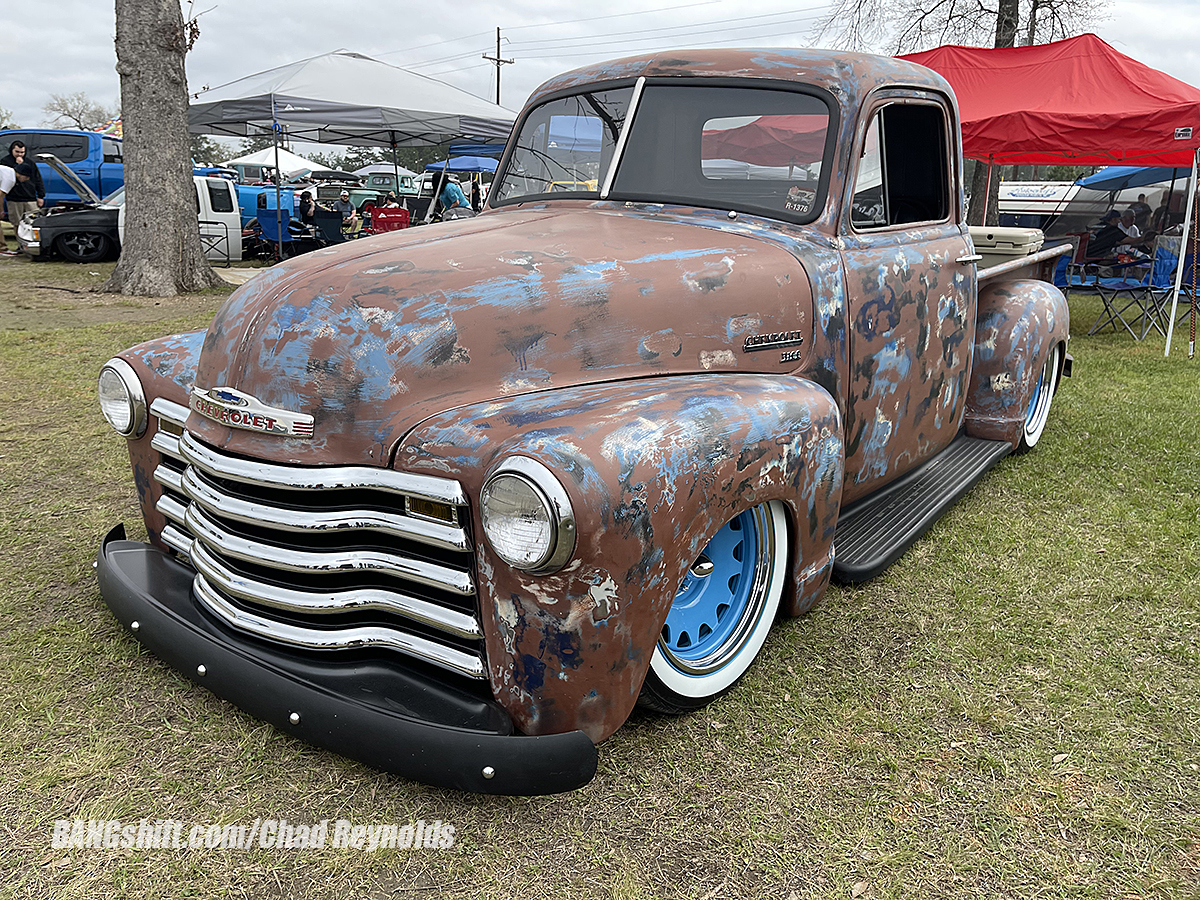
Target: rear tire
x: 84, y: 246
x: 722, y: 613
x: 1038, y: 411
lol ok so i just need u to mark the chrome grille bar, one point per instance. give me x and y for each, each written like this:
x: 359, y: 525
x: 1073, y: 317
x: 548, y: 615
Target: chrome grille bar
x: 173, y: 412
x: 177, y: 540
x: 466, y: 664
x: 239, y: 587
x: 225, y: 542
x: 210, y: 496
x: 333, y: 478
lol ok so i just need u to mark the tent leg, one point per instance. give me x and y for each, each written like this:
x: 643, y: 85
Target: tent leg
x: 278, y: 190
x: 987, y: 193
x: 441, y: 183
x: 1187, y: 224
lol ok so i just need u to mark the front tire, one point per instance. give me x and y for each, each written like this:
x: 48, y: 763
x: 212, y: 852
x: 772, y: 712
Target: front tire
x: 84, y: 246
x: 721, y: 614
x: 1038, y: 411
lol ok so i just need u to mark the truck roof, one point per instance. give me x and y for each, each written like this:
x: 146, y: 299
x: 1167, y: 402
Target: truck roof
x: 853, y: 75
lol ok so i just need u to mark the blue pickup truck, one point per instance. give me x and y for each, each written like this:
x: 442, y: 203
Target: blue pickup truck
x: 96, y: 158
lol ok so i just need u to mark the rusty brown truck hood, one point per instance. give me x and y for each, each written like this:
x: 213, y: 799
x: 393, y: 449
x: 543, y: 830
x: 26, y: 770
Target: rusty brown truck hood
x: 373, y: 337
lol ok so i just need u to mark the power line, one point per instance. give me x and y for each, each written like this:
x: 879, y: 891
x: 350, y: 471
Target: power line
x: 640, y: 12
x: 683, y: 32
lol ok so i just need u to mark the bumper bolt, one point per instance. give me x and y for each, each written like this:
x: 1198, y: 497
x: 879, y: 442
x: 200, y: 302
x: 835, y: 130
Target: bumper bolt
x: 201, y: 671
x: 489, y: 773
x: 294, y: 718
x: 135, y: 625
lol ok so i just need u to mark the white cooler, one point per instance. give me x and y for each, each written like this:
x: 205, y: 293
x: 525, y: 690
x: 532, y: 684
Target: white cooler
x: 999, y: 245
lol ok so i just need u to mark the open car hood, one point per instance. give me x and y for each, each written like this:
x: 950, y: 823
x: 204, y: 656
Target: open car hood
x: 69, y: 176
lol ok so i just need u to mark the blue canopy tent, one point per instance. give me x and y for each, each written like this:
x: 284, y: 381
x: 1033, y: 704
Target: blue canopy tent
x: 1117, y: 178
x: 464, y: 164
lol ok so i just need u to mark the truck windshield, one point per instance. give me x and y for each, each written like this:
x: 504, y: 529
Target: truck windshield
x: 761, y: 150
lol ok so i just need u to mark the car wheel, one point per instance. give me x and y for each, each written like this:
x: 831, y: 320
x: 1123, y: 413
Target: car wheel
x: 1038, y: 410
x: 84, y: 246
x: 721, y: 614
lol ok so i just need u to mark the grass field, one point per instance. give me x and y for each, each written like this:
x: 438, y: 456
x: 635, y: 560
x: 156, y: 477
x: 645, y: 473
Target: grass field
x: 1013, y: 710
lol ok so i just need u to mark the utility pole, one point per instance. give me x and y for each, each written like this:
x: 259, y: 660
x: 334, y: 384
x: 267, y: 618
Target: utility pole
x: 499, y: 62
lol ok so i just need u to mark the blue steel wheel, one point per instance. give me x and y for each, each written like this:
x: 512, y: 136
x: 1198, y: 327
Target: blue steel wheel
x: 721, y: 614
x: 1038, y: 411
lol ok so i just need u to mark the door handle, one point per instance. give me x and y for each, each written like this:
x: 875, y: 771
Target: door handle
x: 967, y: 260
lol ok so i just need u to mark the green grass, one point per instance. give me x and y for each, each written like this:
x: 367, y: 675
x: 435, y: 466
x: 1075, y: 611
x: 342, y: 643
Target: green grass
x: 1013, y: 710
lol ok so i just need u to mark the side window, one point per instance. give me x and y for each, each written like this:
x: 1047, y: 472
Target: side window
x: 69, y: 148
x: 112, y: 150
x: 218, y: 196
x: 903, y: 168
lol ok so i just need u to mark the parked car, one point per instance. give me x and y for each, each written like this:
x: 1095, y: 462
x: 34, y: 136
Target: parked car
x: 95, y: 159
x: 451, y: 502
x: 382, y: 182
x: 90, y: 229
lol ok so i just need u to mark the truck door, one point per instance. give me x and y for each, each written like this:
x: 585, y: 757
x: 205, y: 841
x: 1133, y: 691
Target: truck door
x: 220, y: 220
x: 112, y: 168
x: 910, y: 285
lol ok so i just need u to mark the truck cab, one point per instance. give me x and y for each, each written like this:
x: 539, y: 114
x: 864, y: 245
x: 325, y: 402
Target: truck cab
x: 96, y: 159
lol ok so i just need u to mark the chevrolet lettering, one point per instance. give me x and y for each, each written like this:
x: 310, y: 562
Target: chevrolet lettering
x: 772, y: 341
x: 238, y: 410
x: 551, y: 476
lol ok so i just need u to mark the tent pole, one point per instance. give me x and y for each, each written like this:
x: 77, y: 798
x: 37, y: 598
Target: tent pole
x: 987, y: 194
x: 278, y: 211
x: 437, y: 193
x: 1187, y: 224
x: 396, y: 169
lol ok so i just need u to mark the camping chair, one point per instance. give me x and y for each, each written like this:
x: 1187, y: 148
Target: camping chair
x: 327, y: 225
x: 1162, y: 294
x: 1080, y: 271
x: 387, y: 218
x: 270, y: 228
x: 1135, y: 290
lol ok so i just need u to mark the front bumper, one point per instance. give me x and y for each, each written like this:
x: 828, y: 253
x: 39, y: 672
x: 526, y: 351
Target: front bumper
x: 28, y: 238
x: 380, y: 714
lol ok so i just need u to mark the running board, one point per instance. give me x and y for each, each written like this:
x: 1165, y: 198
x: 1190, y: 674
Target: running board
x: 874, y: 532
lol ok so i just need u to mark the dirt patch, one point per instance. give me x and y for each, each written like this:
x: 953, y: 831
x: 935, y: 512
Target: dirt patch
x: 44, y: 295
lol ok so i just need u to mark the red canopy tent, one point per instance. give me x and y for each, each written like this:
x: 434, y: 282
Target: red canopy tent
x: 769, y: 141
x: 1076, y: 101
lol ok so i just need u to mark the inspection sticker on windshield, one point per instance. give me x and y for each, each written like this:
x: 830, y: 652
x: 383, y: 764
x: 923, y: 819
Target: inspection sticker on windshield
x: 799, y: 200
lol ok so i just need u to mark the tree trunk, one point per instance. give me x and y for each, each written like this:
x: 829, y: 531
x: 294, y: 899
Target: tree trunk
x: 1006, y: 36
x: 161, y: 254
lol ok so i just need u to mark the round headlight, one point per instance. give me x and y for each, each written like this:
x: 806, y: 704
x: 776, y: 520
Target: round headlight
x: 121, y: 398
x: 527, y: 516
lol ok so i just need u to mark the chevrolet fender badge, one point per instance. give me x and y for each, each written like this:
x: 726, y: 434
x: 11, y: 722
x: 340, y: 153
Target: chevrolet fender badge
x: 772, y: 341
x: 237, y: 410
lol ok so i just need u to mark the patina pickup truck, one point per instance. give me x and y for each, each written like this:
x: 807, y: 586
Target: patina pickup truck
x: 451, y: 501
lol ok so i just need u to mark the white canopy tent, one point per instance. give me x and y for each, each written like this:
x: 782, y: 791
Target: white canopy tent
x: 348, y: 98
x: 291, y: 163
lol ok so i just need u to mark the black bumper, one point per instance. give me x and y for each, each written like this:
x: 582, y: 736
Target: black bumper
x: 379, y: 714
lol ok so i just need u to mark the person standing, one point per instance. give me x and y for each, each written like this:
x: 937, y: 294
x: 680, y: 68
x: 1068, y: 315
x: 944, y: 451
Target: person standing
x: 26, y: 196
x: 11, y: 178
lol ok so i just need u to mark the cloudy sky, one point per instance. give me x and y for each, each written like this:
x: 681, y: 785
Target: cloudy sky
x: 68, y: 45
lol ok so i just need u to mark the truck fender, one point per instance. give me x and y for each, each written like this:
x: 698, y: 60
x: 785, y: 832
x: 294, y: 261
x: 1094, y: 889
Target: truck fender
x: 1019, y: 324
x: 653, y: 468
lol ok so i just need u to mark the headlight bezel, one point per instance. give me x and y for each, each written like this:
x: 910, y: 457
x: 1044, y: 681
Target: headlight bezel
x: 135, y: 397
x: 555, y: 501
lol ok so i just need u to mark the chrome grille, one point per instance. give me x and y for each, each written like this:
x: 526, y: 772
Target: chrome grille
x: 323, y: 558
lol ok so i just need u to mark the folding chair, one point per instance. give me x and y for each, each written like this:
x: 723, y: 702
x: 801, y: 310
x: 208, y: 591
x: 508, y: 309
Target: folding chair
x: 1162, y: 293
x: 1074, y: 273
x: 387, y: 218
x: 1135, y: 290
x: 271, y: 226
x: 327, y: 226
